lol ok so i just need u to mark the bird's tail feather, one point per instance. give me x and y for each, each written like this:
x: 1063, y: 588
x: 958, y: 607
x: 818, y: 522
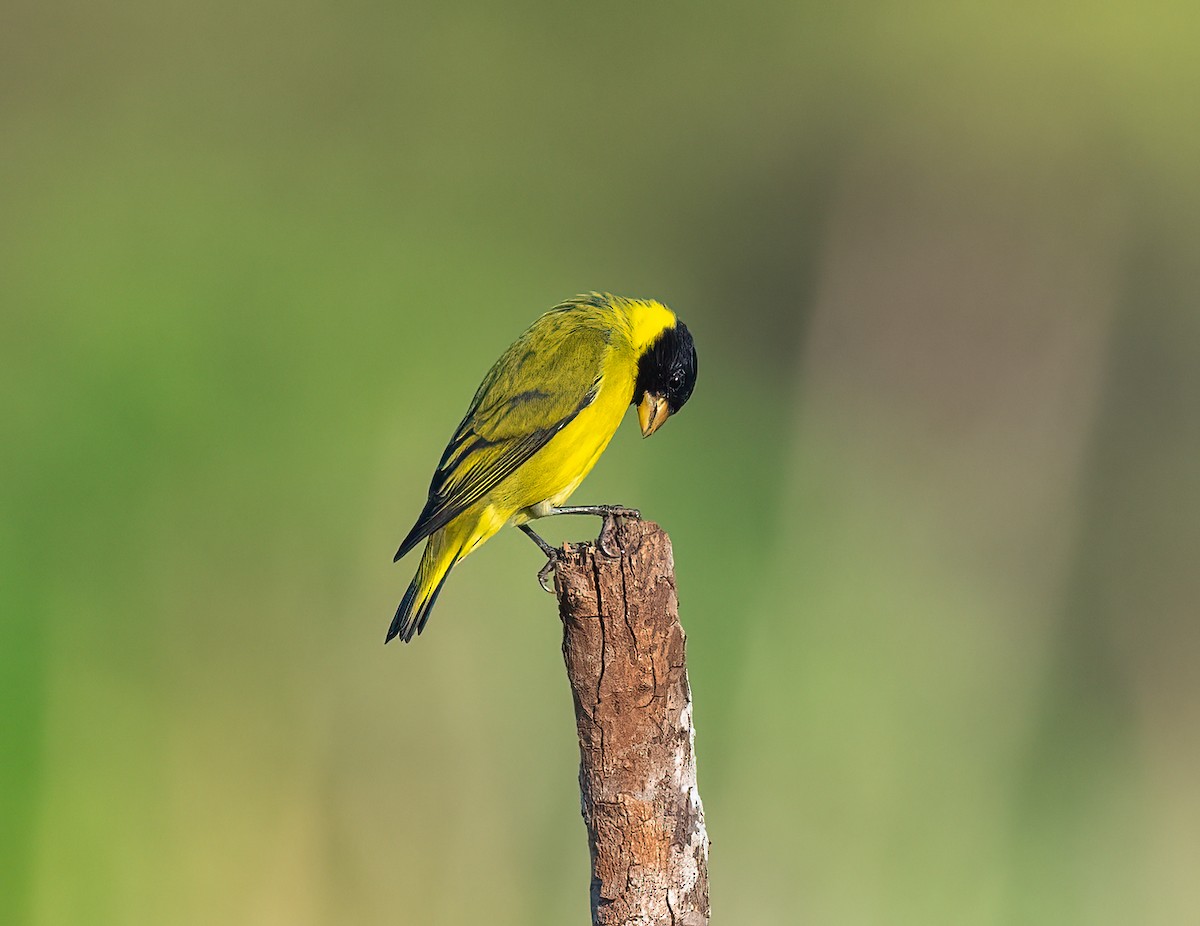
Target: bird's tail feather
x: 436, y: 563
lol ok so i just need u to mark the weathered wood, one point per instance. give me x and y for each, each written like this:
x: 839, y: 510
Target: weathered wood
x: 624, y: 651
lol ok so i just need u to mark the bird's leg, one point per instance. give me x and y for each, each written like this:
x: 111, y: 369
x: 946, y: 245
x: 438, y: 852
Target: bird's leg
x: 608, y: 530
x: 551, y: 556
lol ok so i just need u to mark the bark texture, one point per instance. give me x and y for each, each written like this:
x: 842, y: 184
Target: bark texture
x: 624, y: 651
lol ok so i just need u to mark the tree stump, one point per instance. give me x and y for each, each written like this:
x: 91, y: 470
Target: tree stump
x: 624, y: 651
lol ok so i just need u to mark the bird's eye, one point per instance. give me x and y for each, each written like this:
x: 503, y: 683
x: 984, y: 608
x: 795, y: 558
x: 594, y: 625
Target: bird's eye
x: 677, y: 378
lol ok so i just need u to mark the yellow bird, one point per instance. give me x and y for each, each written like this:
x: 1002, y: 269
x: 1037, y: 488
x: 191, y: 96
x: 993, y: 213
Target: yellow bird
x: 538, y: 423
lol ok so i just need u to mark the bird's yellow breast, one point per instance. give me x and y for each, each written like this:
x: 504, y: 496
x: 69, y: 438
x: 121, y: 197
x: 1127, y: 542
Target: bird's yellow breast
x: 558, y: 468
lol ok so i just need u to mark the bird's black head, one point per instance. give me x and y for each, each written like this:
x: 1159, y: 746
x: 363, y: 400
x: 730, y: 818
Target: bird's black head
x: 666, y: 377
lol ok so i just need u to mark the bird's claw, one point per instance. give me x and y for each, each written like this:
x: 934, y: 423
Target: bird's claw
x: 608, y: 530
x: 547, y: 571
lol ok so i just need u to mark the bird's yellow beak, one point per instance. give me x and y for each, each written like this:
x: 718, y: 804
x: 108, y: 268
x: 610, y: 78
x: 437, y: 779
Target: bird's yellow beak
x: 652, y: 412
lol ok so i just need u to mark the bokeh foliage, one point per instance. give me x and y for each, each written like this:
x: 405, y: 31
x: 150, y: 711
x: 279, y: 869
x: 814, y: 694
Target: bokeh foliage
x: 934, y: 502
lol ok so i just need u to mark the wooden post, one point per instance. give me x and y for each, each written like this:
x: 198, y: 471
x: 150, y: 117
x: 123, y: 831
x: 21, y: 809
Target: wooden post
x: 624, y: 651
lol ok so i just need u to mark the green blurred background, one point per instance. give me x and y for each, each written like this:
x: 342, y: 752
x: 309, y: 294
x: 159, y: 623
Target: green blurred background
x: 934, y: 502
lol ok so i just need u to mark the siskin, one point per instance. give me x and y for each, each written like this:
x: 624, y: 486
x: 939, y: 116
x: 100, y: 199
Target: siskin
x: 537, y: 425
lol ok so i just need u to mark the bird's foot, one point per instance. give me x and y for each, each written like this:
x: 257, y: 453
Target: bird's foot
x: 608, y: 530
x: 548, y: 570
x: 552, y: 556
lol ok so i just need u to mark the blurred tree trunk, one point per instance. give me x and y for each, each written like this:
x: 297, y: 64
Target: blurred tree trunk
x: 624, y: 652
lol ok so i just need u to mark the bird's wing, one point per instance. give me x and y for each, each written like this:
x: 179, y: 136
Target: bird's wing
x: 536, y: 389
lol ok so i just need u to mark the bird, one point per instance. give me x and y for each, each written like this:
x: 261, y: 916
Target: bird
x: 539, y: 421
